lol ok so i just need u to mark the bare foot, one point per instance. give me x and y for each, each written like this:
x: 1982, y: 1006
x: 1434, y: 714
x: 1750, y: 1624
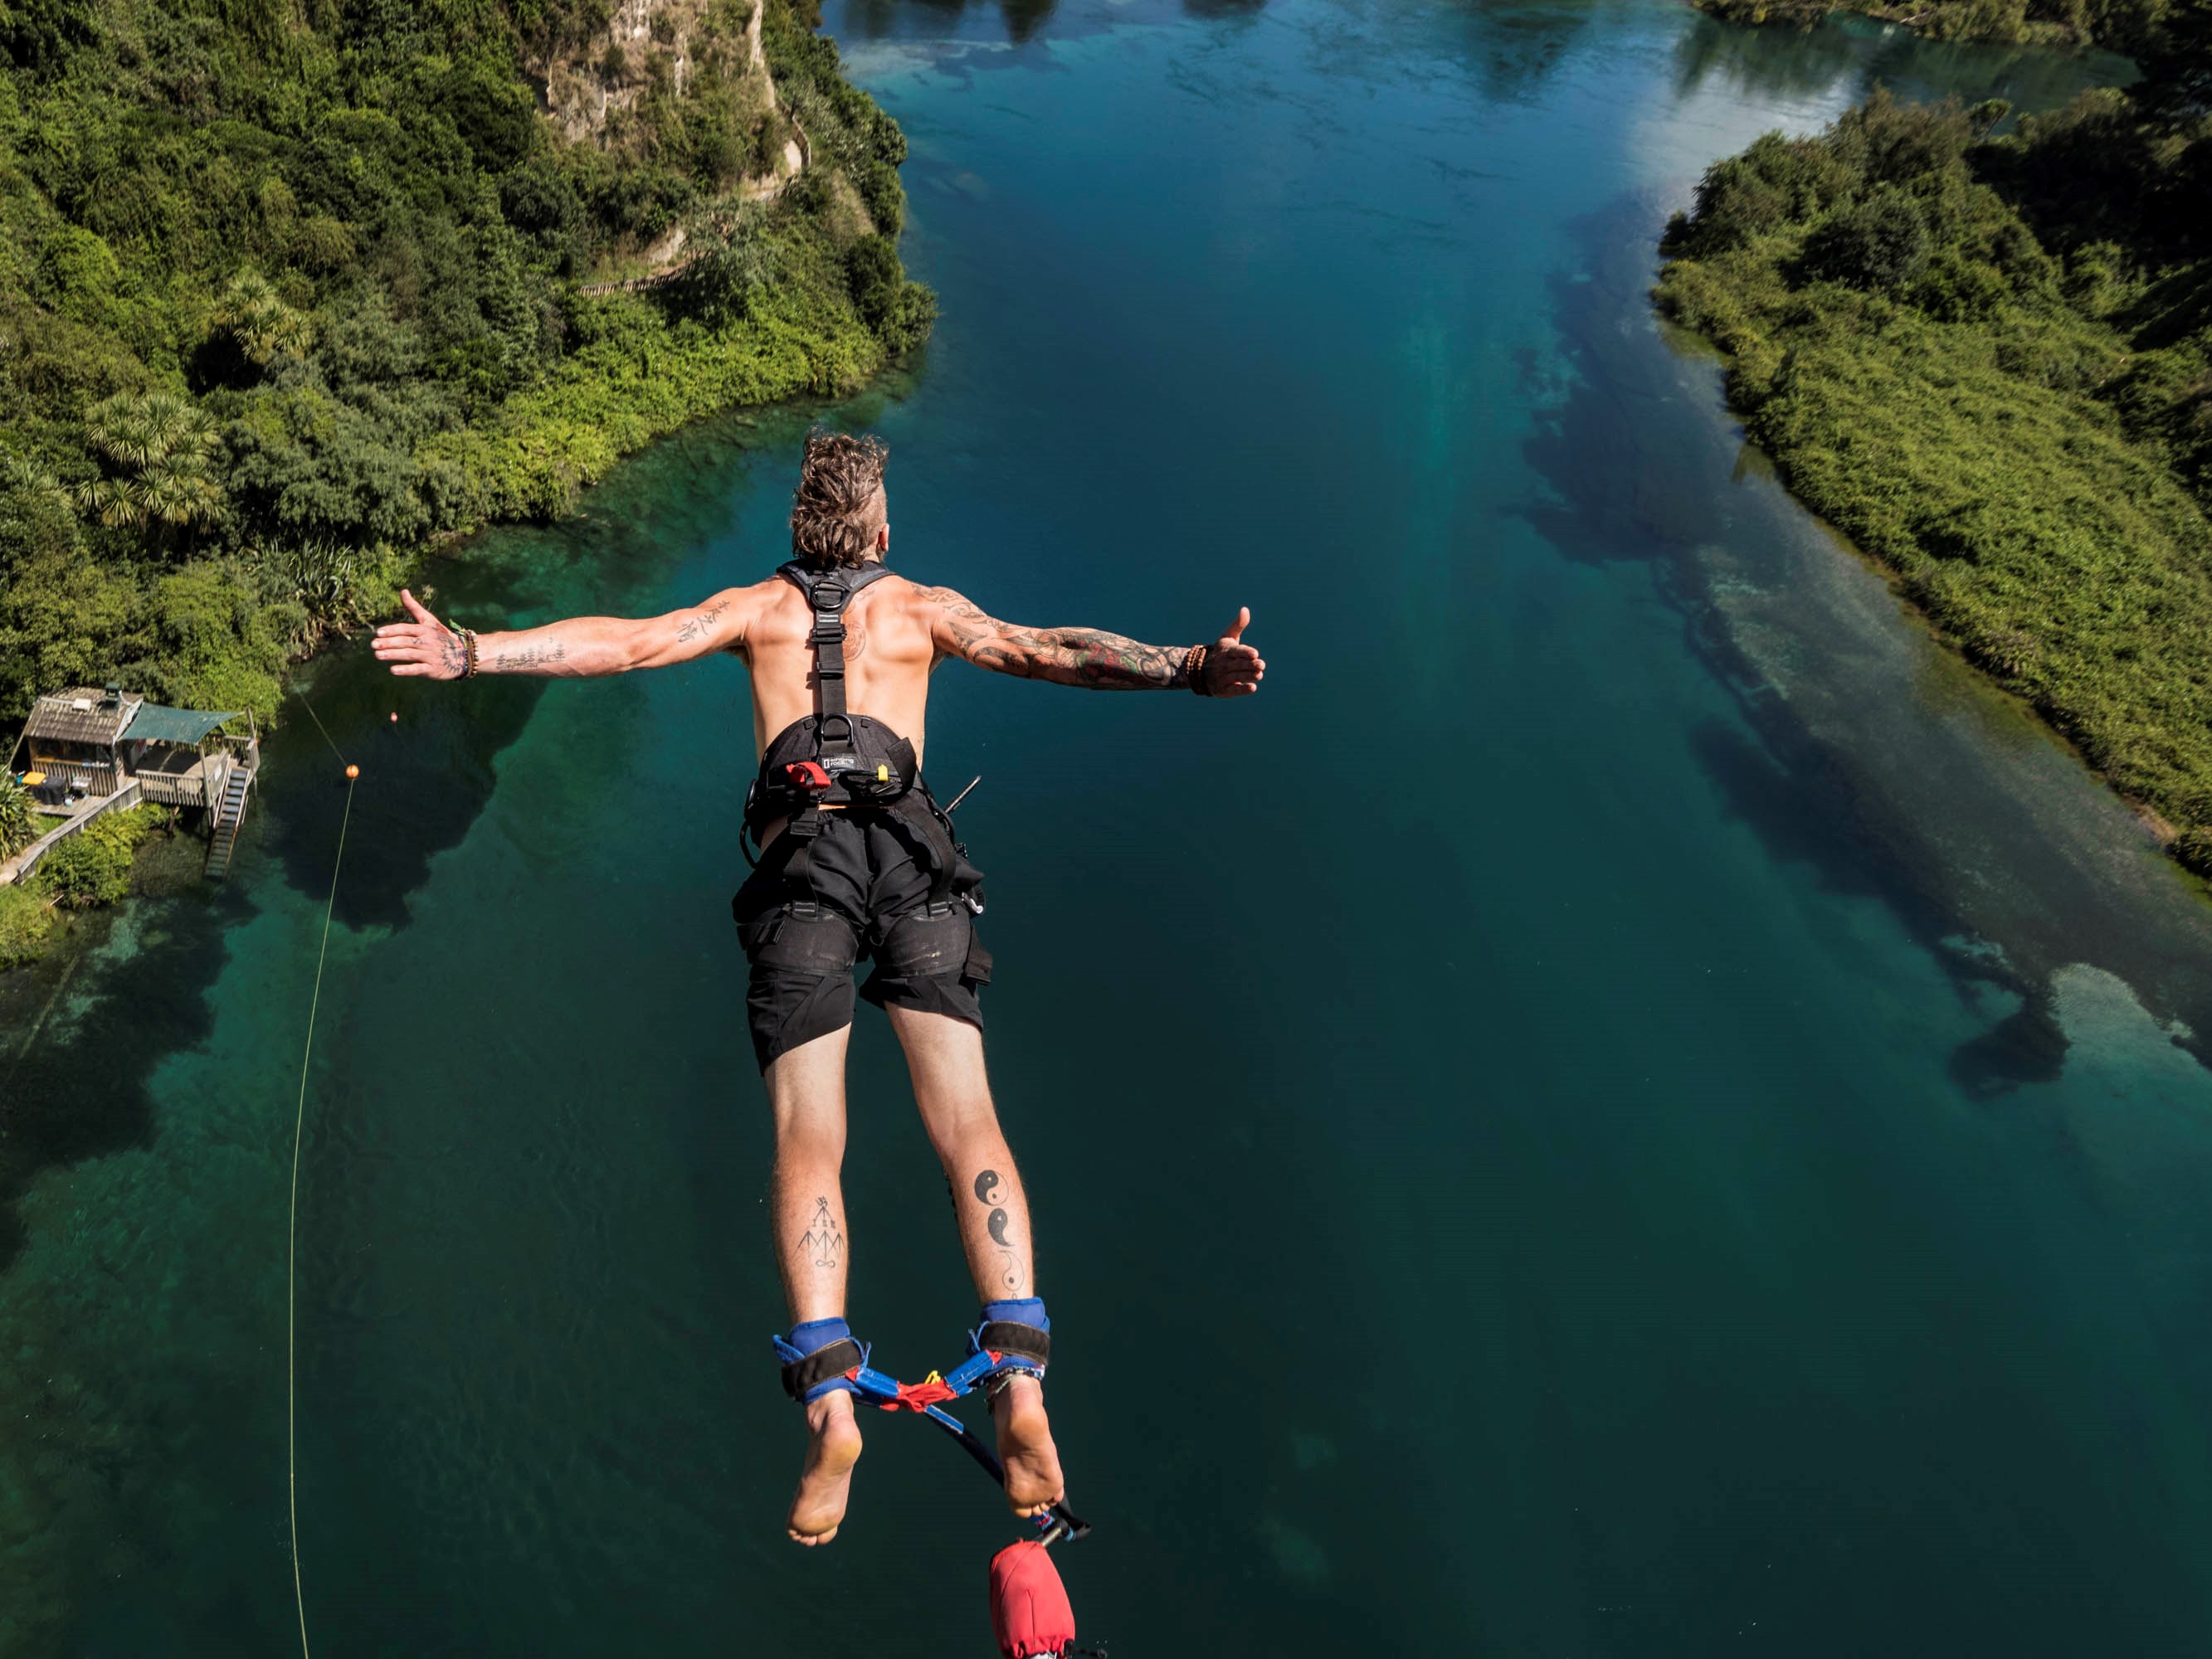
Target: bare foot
x: 1034, y: 1482
x: 827, y: 1478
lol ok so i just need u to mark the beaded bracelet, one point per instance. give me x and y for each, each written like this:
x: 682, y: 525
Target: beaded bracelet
x: 468, y: 645
x: 1194, y: 669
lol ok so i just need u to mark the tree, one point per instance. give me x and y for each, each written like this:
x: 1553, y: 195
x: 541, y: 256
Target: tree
x: 2177, y: 65
x: 19, y: 817
x: 254, y: 319
x: 161, y: 449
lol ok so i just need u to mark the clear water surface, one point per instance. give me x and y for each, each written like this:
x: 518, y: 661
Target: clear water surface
x: 1625, y: 1107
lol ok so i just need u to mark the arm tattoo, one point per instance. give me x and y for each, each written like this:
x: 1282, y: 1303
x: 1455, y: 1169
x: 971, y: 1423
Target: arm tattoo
x: 696, y: 627
x: 526, y: 659
x: 823, y: 1242
x: 1066, y: 656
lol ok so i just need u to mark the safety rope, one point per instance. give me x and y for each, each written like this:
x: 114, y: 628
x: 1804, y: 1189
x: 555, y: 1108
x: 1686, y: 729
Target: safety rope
x: 292, y: 1243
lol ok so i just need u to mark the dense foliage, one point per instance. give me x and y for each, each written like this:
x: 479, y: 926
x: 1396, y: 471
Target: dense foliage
x: 20, y: 822
x: 2121, y: 25
x: 287, y: 291
x: 24, y: 923
x: 1989, y: 361
x: 92, y: 866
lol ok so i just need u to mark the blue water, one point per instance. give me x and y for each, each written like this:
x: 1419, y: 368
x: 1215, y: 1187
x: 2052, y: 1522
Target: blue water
x: 1625, y: 1106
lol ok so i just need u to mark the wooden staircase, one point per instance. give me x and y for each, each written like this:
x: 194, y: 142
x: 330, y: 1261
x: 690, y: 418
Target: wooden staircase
x: 229, y: 814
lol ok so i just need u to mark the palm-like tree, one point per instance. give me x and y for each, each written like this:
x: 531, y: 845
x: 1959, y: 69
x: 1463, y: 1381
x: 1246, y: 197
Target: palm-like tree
x: 19, y: 818
x: 258, y: 322
x: 164, y: 449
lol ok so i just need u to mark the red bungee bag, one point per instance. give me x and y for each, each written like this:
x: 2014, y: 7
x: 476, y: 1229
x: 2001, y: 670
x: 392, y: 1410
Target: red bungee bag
x: 1030, y: 1614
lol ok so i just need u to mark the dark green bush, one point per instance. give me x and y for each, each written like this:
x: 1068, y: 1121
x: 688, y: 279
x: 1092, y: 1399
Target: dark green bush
x: 873, y: 272
x: 92, y: 866
x: 882, y: 195
x: 1879, y: 244
x: 25, y: 923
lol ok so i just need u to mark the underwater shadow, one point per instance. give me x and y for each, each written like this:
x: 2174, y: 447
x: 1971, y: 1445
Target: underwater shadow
x: 1630, y: 479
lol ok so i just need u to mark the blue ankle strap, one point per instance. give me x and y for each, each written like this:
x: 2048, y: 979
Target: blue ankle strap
x: 817, y: 1356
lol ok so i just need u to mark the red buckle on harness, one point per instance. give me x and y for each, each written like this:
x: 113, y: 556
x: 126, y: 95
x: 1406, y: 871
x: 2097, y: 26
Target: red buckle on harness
x: 807, y: 774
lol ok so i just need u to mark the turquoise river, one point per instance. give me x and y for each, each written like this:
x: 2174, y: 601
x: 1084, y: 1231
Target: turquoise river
x: 1625, y: 1106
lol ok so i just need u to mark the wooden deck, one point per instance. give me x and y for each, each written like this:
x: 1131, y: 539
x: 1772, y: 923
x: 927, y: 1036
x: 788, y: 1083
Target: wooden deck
x: 188, y: 780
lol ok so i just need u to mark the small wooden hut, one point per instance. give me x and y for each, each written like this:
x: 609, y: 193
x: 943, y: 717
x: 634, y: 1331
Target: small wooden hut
x: 84, y: 746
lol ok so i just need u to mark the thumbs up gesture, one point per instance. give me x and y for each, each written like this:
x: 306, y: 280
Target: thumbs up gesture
x: 1232, y: 668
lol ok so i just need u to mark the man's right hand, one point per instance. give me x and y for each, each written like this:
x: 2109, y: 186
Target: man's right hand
x: 424, y: 647
x: 1232, y: 668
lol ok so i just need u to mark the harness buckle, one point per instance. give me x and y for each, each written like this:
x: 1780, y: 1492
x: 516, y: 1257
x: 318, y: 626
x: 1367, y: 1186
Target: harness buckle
x: 808, y: 776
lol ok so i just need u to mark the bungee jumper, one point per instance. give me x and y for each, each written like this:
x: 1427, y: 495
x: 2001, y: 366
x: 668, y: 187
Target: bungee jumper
x: 858, y: 860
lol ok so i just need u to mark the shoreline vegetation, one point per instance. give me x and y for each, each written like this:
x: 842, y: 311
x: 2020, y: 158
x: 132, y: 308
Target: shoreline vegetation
x: 1986, y: 358
x: 292, y: 294
x: 2122, y: 26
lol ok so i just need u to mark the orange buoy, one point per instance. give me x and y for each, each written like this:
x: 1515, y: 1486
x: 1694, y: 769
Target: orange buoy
x: 395, y: 717
x: 353, y: 771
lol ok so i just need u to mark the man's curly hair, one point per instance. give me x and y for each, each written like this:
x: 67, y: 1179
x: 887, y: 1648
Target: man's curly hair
x: 833, y: 518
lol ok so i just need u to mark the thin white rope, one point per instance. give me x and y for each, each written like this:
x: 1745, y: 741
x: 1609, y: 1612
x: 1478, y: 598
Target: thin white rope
x: 292, y: 1242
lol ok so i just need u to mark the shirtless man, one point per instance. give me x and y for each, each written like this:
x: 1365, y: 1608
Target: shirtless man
x: 857, y: 861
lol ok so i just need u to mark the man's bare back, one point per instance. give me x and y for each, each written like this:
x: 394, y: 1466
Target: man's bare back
x: 805, y: 935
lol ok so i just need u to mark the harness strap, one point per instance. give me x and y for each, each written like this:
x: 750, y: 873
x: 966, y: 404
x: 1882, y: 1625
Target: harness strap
x: 805, y: 1373
x: 1009, y: 1341
x: 830, y: 592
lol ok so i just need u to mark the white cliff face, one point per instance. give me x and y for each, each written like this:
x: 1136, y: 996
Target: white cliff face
x: 589, y: 90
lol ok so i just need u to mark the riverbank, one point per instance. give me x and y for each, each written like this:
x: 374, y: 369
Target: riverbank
x: 1980, y: 358
x: 290, y: 309
x: 2060, y: 23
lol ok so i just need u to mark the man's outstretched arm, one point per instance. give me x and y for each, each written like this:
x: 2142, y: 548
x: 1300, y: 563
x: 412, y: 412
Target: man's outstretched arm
x: 1089, y: 656
x: 578, y: 647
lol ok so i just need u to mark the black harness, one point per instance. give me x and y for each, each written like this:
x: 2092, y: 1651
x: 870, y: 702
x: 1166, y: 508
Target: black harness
x: 834, y: 757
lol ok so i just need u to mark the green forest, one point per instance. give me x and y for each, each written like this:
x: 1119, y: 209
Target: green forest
x: 2125, y: 25
x: 1985, y: 355
x: 291, y: 290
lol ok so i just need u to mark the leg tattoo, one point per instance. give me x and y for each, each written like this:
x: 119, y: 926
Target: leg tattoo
x: 824, y: 1243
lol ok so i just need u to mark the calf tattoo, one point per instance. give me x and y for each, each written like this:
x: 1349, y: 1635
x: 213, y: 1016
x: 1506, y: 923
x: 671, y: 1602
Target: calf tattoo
x: 823, y: 1242
x: 986, y: 1192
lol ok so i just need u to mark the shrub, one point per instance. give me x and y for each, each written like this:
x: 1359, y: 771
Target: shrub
x: 20, y: 821
x: 882, y: 195
x: 1878, y: 245
x: 24, y: 923
x: 876, y: 278
x: 92, y: 866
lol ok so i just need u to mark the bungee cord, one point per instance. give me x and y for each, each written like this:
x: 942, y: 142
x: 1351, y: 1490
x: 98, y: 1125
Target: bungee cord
x: 292, y: 1239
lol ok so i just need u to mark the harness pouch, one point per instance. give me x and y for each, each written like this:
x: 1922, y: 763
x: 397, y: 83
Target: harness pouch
x: 801, y: 937
x: 926, y: 944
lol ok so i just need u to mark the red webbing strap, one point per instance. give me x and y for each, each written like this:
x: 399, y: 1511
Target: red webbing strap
x: 931, y: 1390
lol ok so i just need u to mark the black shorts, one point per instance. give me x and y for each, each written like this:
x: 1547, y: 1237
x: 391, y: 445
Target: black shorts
x: 864, y: 892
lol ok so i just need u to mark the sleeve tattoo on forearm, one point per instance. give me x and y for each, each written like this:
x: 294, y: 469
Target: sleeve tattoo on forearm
x: 524, y: 658
x: 1067, y: 656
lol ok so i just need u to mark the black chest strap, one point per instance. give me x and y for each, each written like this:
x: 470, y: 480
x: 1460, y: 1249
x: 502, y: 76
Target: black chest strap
x: 830, y: 592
